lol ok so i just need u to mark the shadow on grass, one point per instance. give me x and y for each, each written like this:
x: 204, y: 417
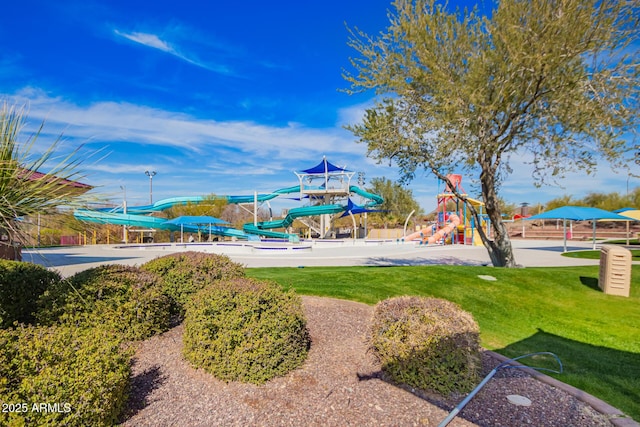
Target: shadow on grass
x: 590, y: 282
x: 609, y: 374
x: 436, y: 260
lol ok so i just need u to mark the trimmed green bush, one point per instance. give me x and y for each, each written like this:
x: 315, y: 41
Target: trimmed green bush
x: 184, y: 274
x: 62, y: 376
x: 245, y: 330
x: 127, y: 299
x: 21, y: 284
x: 427, y: 343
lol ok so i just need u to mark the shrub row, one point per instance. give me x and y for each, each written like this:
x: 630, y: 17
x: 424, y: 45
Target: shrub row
x: 21, y: 284
x: 236, y: 328
x: 186, y: 273
x: 245, y: 330
x: 125, y: 299
x: 426, y: 343
x: 61, y: 375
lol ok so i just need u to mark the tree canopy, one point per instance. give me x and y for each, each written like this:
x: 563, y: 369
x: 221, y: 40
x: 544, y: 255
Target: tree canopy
x: 552, y: 82
x: 398, y: 201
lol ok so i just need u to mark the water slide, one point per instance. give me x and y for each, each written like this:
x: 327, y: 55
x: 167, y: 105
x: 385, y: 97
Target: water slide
x: 137, y: 215
x: 454, y: 221
x: 264, y: 226
x: 87, y: 215
x: 165, y: 204
x: 374, y: 198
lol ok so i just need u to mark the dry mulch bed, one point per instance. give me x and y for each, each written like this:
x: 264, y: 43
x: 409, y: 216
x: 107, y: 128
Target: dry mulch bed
x: 340, y: 384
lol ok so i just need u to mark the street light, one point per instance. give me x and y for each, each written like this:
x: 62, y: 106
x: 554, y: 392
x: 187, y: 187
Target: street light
x: 125, y: 234
x: 150, y: 175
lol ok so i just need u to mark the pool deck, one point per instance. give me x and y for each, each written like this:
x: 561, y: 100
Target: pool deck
x: 529, y: 253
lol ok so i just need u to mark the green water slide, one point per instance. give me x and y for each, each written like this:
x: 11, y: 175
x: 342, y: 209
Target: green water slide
x: 374, y: 199
x: 136, y: 215
x: 87, y: 215
x: 264, y: 227
x: 164, y: 204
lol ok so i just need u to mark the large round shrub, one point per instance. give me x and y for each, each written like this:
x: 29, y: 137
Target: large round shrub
x: 426, y: 343
x: 62, y: 376
x: 245, y: 330
x: 127, y: 299
x: 186, y: 273
x: 21, y: 284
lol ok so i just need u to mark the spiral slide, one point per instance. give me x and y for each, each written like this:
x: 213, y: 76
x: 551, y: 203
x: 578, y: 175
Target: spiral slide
x: 454, y: 221
x: 264, y: 227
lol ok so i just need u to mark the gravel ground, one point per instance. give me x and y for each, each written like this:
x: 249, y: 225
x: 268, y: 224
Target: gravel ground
x: 340, y: 384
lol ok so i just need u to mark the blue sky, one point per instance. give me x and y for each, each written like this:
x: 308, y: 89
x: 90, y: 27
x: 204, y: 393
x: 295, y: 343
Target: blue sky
x: 217, y: 97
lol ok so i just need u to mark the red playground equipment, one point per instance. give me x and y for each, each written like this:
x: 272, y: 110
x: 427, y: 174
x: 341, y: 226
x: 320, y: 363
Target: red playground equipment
x: 454, y: 223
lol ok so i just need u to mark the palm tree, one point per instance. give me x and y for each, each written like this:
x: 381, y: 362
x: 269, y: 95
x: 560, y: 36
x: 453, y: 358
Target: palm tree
x: 26, y: 191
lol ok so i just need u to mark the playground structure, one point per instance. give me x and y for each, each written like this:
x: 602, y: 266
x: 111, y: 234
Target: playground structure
x: 455, y: 225
x: 326, y: 187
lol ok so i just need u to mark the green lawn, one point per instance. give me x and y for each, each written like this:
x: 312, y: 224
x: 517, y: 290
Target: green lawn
x: 561, y: 310
x: 635, y: 254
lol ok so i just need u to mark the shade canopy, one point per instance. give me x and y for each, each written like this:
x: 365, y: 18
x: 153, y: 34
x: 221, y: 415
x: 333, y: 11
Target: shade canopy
x: 580, y: 213
x: 195, y: 221
x: 324, y: 167
x: 355, y: 209
x: 631, y: 213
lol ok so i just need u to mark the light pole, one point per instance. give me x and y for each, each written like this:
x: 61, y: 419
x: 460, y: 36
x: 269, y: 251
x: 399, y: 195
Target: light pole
x: 150, y: 175
x: 361, y: 181
x: 125, y: 234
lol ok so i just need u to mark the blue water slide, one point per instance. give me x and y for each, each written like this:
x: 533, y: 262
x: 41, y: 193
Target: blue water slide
x: 153, y: 222
x: 263, y: 227
x: 374, y: 199
x: 164, y: 204
x: 137, y: 215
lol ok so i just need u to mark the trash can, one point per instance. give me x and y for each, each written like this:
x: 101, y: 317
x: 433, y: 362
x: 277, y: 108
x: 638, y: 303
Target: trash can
x: 615, y: 270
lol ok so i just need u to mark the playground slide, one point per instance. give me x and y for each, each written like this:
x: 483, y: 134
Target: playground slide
x: 454, y: 221
x: 418, y: 235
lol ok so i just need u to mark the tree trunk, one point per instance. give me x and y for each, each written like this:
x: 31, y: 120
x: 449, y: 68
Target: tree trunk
x: 500, y: 249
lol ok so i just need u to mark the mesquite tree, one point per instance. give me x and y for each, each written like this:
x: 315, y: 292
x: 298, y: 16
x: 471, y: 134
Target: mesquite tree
x: 554, y: 82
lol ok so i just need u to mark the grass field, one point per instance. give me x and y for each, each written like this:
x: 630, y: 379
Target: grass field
x: 560, y: 309
x: 635, y: 254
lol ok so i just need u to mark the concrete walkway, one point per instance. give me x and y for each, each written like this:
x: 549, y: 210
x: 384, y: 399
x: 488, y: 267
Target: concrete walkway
x: 529, y: 253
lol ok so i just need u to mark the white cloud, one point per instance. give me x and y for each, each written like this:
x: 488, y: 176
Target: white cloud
x: 155, y: 42
x: 125, y: 122
x: 226, y: 156
x: 149, y: 40
x: 193, y: 155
